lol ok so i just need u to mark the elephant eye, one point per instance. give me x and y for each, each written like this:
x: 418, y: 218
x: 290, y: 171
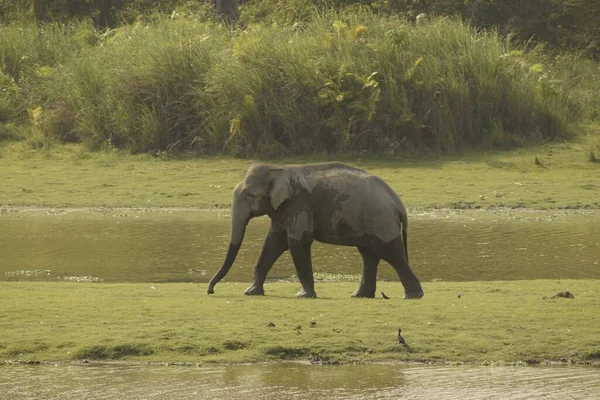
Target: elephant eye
x: 249, y: 196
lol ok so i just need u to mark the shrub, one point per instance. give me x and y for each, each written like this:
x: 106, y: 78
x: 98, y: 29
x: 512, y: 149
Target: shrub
x: 347, y: 82
x: 103, y: 13
x: 334, y: 81
x: 562, y: 24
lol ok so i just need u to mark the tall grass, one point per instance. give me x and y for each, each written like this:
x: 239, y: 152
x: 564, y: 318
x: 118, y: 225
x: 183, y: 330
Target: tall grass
x: 30, y: 54
x: 578, y: 79
x: 337, y: 82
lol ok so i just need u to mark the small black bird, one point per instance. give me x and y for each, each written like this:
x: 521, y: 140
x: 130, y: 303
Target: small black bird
x: 313, y: 323
x: 384, y: 296
x: 401, y: 339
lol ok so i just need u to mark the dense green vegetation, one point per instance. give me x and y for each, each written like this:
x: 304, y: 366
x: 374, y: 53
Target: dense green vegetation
x: 490, y: 322
x: 291, y: 79
x: 561, y: 24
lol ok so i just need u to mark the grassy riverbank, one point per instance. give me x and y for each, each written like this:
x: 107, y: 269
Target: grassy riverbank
x: 489, y: 322
x: 71, y: 176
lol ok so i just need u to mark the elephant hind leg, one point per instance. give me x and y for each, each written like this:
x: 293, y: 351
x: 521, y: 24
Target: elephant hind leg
x: 368, y: 281
x: 393, y: 253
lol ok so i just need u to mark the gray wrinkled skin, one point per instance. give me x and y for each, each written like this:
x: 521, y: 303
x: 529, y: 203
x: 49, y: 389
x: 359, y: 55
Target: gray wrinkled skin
x: 343, y: 204
x: 328, y: 202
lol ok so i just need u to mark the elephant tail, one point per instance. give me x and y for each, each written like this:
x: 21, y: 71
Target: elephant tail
x: 404, y: 225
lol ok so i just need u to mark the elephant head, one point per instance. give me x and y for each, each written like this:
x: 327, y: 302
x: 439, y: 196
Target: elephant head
x: 262, y: 190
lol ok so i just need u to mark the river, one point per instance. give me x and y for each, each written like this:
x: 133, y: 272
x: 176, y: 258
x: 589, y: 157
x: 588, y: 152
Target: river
x: 298, y: 381
x: 189, y: 245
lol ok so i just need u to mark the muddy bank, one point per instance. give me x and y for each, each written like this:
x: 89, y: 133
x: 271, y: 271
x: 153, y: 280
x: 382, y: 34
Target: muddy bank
x: 415, y: 211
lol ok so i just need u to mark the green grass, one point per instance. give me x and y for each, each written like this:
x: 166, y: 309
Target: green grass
x: 71, y: 176
x: 490, y: 322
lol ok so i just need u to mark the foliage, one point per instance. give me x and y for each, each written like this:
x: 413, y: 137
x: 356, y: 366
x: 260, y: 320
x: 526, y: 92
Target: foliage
x: 341, y: 82
x: 313, y: 80
x: 103, y: 13
x: 561, y: 24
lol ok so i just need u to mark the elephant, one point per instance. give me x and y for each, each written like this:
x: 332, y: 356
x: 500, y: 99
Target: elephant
x: 329, y: 202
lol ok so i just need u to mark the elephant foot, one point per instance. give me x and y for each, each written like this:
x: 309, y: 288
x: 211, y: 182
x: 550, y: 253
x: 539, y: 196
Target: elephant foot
x: 362, y: 293
x: 413, y: 295
x: 254, y: 291
x: 304, y: 293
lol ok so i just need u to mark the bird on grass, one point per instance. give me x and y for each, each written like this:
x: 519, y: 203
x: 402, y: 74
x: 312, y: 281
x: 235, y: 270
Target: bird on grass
x: 403, y: 343
x: 384, y: 296
x: 401, y: 338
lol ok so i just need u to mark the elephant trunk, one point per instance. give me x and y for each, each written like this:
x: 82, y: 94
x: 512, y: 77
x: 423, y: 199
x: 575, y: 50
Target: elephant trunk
x: 229, y: 259
x: 239, y: 220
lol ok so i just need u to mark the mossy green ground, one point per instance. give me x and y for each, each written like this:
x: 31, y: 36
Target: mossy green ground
x: 489, y: 322
x: 71, y: 176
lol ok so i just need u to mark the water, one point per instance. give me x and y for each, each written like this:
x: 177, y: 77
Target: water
x: 295, y: 381
x: 184, y: 245
x: 160, y: 246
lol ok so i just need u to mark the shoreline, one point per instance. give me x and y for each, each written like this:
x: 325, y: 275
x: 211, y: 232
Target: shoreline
x: 58, y: 210
x: 545, y: 363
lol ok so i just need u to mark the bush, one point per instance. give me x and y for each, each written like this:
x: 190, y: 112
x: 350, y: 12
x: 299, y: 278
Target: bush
x: 562, y: 24
x: 8, y: 132
x: 350, y: 82
x: 340, y: 82
x: 103, y: 13
x: 332, y: 81
x: 577, y: 78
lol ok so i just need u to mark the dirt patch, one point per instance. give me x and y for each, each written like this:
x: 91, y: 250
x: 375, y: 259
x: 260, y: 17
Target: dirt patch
x: 117, y: 352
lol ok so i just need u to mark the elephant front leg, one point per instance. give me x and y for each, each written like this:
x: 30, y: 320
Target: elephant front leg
x: 274, y: 245
x: 300, y: 251
x: 368, y: 282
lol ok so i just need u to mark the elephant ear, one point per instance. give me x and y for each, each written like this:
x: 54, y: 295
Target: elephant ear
x: 279, y: 187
